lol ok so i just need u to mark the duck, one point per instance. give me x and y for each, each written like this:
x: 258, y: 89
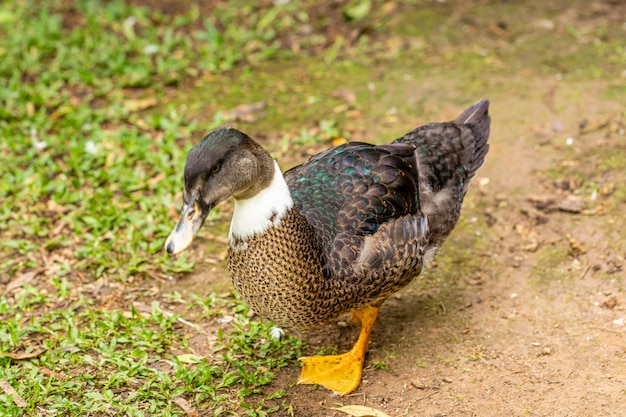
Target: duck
x: 337, y: 234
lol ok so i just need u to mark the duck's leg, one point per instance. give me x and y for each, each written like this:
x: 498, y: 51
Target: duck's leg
x: 341, y: 373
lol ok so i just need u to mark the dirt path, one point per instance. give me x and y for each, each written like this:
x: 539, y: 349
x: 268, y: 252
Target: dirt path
x: 523, y: 312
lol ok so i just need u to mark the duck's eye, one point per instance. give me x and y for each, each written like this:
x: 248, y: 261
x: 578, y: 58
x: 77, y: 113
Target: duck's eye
x: 216, y: 168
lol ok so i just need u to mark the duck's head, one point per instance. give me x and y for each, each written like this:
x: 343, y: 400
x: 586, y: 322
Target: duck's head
x: 225, y: 163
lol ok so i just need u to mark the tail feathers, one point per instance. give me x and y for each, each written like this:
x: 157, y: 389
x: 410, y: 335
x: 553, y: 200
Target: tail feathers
x: 477, y: 118
x: 474, y: 113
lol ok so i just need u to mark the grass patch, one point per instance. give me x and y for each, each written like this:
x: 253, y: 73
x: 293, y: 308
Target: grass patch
x: 71, y: 356
x: 91, y: 176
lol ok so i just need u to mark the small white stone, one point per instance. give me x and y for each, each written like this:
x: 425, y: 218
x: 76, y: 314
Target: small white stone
x: 225, y: 319
x: 150, y: 49
x: 37, y: 144
x: 276, y: 332
x: 91, y: 147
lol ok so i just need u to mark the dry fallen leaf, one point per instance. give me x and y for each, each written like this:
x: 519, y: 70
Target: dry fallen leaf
x: 22, y: 355
x: 138, y: 104
x: 9, y: 390
x: 339, y: 141
x: 244, y: 112
x: 48, y: 372
x: 576, y: 248
x: 25, y: 278
x: 345, y: 94
x: 189, y: 358
x: 360, y: 411
x: 187, y: 408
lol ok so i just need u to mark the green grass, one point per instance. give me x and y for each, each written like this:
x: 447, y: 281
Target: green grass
x: 91, y: 179
x: 93, y: 361
x: 76, y: 153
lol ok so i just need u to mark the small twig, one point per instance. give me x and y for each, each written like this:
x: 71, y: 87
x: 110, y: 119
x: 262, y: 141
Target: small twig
x: 436, y: 390
x: 357, y: 394
x: 487, y: 362
x: 183, y: 321
x: 156, y: 275
x: 606, y: 330
x: 443, y: 307
x: 585, y: 272
x: 9, y: 390
x: 427, y: 395
x: 57, y: 375
x: 184, y: 405
x: 192, y: 325
x: 601, y: 125
x: 81, y: 276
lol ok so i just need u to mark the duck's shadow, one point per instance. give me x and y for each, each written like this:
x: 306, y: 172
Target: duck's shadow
x: 414, y: 318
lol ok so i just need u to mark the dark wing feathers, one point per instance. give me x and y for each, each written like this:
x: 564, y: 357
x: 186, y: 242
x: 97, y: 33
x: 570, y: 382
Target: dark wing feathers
x: 392, y: 257
x: 349, y: 191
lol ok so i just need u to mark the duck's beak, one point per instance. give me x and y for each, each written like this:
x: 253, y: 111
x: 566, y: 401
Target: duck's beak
x: 191, y: 219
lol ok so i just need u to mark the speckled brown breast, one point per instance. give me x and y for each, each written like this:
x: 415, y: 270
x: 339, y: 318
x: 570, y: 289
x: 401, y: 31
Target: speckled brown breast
x: 281, y: 276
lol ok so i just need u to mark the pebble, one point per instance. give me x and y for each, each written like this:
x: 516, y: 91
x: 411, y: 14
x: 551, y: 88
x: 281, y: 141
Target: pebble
x: 572, y: 204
